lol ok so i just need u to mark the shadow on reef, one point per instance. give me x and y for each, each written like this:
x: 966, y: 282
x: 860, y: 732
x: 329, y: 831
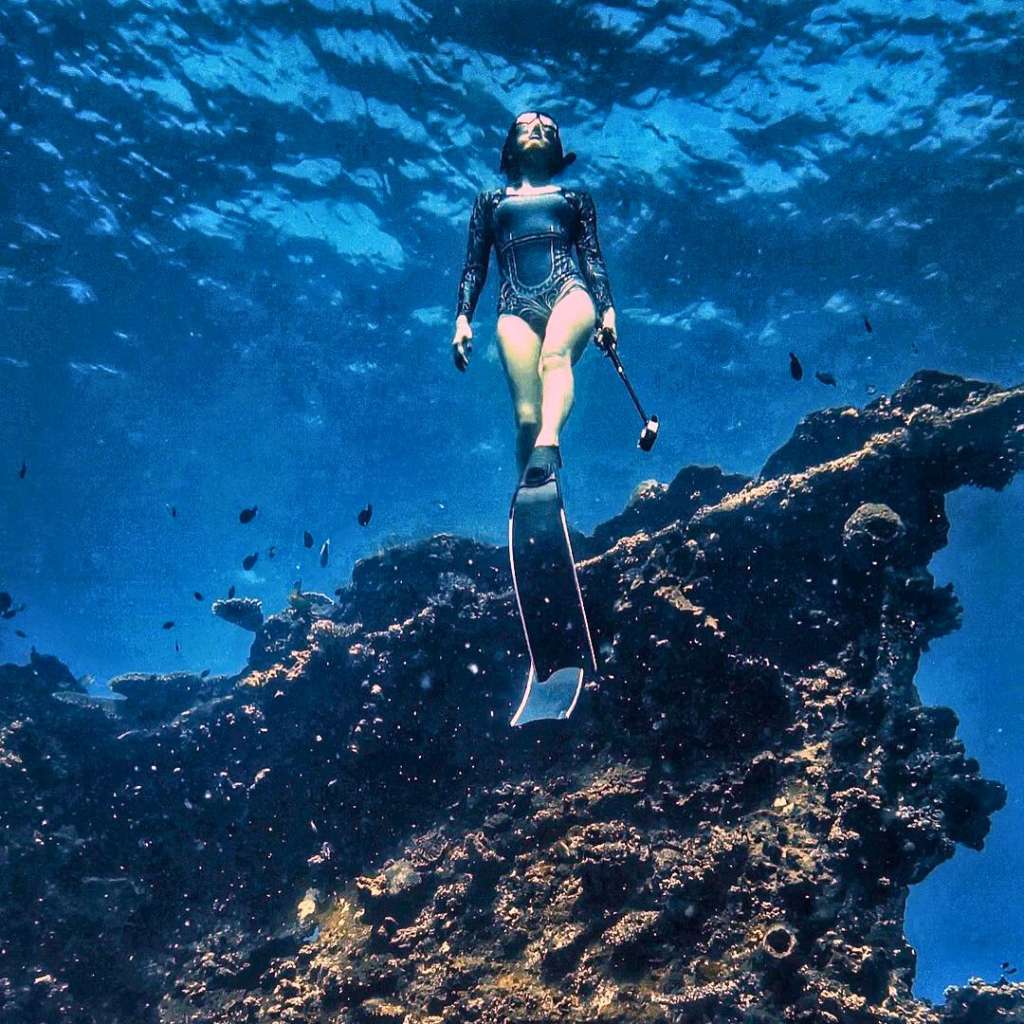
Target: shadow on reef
x: 349, y: 831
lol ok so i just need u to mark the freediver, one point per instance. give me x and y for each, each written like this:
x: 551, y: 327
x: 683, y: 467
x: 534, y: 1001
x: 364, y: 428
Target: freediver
x: 548, y: 307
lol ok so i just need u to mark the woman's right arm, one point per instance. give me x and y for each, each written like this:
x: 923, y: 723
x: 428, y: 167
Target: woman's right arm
x: 474, y: 275
x: 478, y: 251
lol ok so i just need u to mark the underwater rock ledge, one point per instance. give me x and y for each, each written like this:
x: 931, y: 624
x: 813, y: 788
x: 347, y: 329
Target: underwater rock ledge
x: 349, y: 831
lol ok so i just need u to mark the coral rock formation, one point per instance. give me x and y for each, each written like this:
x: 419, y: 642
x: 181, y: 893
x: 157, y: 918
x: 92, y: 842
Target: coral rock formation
x: 348, y: 831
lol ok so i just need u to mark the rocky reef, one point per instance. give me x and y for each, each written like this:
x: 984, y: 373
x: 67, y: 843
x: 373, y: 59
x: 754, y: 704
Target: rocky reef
x: 349, y: 831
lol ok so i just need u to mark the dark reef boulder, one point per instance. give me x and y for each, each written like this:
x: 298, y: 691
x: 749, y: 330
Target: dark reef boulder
x: 348, y: 830
x: 873, y: 536
x: 394, y: 585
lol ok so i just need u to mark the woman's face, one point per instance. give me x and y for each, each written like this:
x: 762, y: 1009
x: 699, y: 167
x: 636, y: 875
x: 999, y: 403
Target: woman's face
x: 535, y: 132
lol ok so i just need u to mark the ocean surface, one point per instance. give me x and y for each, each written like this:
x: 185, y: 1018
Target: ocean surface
x: 231, y: 238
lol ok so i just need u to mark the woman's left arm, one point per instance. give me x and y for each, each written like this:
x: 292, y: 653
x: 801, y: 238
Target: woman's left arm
x: 592, y: 262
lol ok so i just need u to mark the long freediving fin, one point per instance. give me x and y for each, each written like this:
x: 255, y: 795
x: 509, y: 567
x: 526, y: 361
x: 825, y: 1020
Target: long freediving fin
x: 550, y: 602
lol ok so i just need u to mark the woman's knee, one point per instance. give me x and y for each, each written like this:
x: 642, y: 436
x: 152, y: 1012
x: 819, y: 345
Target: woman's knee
x: 556, y: 359
x: 527, y: 414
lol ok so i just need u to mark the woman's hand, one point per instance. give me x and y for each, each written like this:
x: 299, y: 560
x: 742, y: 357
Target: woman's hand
x: 462, y: 343
x: 605, y: 335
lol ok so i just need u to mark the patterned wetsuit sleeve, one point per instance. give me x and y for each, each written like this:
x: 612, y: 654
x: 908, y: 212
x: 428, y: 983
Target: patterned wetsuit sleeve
x: 478, y: 251
x: 591, y: 260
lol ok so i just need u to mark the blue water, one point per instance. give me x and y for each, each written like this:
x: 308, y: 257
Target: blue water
x: 964, y: 919
x: 231, y: 237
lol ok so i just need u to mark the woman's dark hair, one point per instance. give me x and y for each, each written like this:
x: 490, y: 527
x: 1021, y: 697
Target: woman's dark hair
x: 509, y: 165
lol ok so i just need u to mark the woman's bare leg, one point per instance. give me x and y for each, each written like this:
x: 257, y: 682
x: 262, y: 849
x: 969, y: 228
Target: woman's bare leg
x: 520, y: 347
x: 570, y: 327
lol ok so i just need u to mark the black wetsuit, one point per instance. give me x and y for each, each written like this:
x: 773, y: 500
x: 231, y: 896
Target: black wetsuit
x: 533, y: 236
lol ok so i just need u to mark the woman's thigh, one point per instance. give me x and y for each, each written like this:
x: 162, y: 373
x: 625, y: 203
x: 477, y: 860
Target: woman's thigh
x: 570, y: 326
x: 519, y: 346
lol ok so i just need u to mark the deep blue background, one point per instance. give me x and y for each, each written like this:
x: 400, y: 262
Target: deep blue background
x: 230, y: 236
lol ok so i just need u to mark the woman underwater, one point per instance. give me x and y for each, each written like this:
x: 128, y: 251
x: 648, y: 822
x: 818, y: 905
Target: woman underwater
x: 548, y: 307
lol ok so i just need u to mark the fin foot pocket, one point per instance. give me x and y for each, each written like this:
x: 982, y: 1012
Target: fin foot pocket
x: 541, y: 465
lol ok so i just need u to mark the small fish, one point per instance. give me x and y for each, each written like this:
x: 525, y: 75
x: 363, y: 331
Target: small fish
x: 325, y: 552
x: 10, y: 613
x: 914, y: 347
x: 337, y: 591
x: 825, y: 377
x: 23, y: 470
x: 169, y: 624
x: 307, y: 538
x: 795, y: 369
x: 867, y: 325
x: 177, y: 647
x: 21, y: 633
x: 204, y: 673
x: 247, y: 515
x: 173, y: 509
x: 871, y: 389
x: 298, y: 586
x: 197, y: 595
x: 250, y: 560
x: 1004, y: 964
x: 271, y: 551
x: 5, y: 600
x: 364, y: 515
x: 231, y: 591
